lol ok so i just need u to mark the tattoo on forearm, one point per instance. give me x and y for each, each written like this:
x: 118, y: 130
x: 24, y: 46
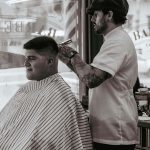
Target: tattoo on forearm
x: 89, y: 75
x: 94, y: 78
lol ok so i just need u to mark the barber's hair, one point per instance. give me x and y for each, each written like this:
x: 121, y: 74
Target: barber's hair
x: 118, y: 7
x: 117, y: 18
x: 42, y: 43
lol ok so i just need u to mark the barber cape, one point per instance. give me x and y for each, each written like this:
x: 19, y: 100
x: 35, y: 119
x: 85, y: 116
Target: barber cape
x: 44, y: 115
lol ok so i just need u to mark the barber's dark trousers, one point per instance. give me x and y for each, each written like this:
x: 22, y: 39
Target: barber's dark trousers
x: 98, y: 146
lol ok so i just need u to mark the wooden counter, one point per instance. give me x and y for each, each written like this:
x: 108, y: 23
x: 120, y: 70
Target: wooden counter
x: 143, y: 125
x: 144, y: 135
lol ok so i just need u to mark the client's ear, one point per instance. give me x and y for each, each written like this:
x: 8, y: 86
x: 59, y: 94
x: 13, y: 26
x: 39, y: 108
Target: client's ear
x: 50, y: 60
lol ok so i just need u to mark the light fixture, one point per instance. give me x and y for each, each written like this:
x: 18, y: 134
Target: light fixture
x: 15, y: 1
x: 25, y: 20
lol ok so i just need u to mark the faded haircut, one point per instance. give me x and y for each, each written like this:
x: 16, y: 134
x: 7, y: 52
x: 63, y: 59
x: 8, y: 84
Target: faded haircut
x: 42, y: 43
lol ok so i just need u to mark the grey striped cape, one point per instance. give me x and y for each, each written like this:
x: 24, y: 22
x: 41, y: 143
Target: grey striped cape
x: 44, y: 115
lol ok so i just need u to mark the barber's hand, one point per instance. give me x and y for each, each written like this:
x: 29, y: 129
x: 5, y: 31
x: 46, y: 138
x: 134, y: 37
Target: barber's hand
x: 65, y: 50
x: 63, y: 55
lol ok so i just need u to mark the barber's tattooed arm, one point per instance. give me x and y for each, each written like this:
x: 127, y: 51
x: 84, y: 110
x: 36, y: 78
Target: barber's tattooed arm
x: 89, y: 75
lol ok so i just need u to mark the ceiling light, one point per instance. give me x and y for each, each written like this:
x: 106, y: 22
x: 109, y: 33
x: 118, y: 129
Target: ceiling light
x: 15, y: 1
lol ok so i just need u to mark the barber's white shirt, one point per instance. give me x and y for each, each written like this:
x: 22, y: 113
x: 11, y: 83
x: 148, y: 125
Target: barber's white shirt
x: 113, y: 111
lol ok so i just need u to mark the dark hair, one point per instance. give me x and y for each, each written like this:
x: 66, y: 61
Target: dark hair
x: 117, y: 17
x: 42, y: 43
x: 118, y: 7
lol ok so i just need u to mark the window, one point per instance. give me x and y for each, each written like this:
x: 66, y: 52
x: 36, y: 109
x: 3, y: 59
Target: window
x: 21, y: 20
x: 139, y: 30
